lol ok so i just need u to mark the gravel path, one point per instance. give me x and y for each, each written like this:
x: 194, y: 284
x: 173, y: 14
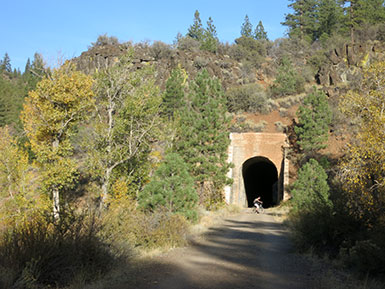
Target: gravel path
x: 246, y: 251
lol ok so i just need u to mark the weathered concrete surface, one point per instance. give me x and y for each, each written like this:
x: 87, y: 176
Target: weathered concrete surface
x: 244, y: 146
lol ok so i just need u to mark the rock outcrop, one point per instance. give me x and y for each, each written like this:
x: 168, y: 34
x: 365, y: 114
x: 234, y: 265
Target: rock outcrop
x: 344, y: 66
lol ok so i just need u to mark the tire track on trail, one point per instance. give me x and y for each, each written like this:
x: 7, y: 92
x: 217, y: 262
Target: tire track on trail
x: 245, y: 251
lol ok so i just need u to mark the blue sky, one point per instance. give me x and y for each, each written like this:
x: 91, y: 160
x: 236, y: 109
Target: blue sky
x: 58, y: 29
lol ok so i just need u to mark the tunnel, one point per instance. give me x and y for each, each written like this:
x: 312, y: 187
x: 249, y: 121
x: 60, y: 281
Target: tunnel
x: 260, y: 177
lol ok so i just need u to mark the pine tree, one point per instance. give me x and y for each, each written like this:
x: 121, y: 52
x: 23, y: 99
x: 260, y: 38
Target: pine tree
x: 210, y: 39
x: 27, y: 67
x: 302, y: 22
x: 314, y: 118
x: 311, y: 190
x: 247, y: 28
x: 260, y: 33
x: 172, y: 188
x: 362, y: 12
x: 196, y: 30
x: 204, y: 138
x: 173, y: 97
x: 288, y: 81
x: 6, y: 64
x: 330, y: 17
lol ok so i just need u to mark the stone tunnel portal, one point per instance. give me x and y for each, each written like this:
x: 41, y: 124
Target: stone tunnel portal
x: 260, y: 177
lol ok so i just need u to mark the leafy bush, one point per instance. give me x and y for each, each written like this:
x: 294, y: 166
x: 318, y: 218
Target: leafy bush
x: 247, y: 98
x: 365, y: 256
x: 313, y: 230
x: 105, y: 40
x: 127, y: 227
x: 188, y: 44
x: 249, y: 49
x: 288, y: 81
x: 200, y: 62
x: 243, y: 125
x: 160, y: 50
x: 279, y: 126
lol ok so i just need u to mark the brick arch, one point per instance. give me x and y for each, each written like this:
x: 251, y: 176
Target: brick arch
x: 260, y: 178
x: 257, y: 146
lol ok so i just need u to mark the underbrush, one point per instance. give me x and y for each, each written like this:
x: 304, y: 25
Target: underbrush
x: 128, y: 228
x: 85, y: 248
x: 40, y: 252
x: 339, y: 237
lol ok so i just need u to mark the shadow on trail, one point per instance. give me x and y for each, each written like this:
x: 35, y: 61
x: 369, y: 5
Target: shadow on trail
x: 251, y: 253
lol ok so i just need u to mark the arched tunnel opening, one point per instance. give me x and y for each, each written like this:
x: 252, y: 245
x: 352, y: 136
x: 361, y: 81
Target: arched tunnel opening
x: 260, y: 177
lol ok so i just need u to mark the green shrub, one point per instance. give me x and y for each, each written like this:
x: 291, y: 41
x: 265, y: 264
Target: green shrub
x: 250, y: 50
x: 365, y: 256
x: 313, y: 231
x: 279, y: 126
x: 248, y: 98
x: 288, y: 81
x: 311, y: 190
x: 241, y: 124
x: 171, y: 188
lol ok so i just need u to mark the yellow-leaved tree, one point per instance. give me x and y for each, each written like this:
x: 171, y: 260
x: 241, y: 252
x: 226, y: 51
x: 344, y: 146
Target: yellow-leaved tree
x: 17, y: 194
x: 363, y: 167
x: 51, y: 113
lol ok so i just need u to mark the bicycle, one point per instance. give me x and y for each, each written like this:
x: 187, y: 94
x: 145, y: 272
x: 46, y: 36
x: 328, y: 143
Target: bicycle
x: 258, y: 208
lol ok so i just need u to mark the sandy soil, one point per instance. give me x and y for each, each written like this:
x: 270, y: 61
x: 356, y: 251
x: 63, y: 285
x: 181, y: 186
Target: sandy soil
x: 245, y: 251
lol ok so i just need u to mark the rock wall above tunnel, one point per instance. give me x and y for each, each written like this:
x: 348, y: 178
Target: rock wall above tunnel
x: 245, y: 146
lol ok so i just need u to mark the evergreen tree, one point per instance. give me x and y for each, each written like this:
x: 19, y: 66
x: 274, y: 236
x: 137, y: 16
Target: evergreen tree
x: 330, y: 17
x: 171, y: 187
x: 302, y: 22
x: 260, y: 33
x: 314, y: 118
x: 362, y: 12
x: 204, y: 138
x: 210, y: 39
x: 5, y: 65
x: 196, y: 30
x: 27, y: 67
x: 288, y: 81
x: 311, y: 190
x: 12, y: 92
x: 173, y: 97
x: 247, y: 28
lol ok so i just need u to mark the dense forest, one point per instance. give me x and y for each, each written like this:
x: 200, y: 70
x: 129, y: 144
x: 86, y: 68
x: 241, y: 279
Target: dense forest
x: 125, y: 146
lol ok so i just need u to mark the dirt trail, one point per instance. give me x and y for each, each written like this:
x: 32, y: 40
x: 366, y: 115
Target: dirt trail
x: 245, y: 251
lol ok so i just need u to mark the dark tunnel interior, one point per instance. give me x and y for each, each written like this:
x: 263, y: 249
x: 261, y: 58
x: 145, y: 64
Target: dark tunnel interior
x: 260, y: 177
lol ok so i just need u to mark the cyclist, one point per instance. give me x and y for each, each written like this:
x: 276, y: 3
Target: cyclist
x: 257, y: 204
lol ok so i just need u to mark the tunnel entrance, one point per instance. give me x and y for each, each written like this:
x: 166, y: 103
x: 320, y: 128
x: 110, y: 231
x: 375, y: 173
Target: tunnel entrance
x: 260, y: 178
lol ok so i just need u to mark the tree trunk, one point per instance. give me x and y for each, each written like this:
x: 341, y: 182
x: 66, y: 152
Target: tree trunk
x: 351, y: 10
x: 56, y: 203
x: 55, y: 190
x: 9, y: 178
x: 105, y: 185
